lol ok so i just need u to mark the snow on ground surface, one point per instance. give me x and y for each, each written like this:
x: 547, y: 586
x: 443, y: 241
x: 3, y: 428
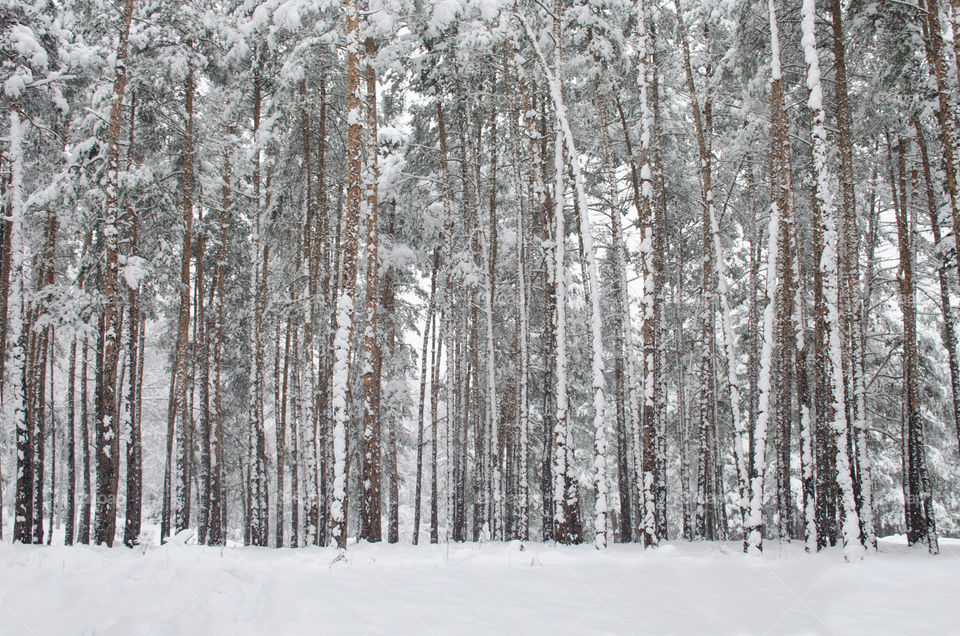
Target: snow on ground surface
x: 680, y: 588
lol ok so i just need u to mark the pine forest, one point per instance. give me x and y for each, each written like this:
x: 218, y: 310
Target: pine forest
x: 520, y: 274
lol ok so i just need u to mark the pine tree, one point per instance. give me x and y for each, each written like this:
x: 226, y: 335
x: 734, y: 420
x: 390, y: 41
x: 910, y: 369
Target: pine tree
x: 107, y: 430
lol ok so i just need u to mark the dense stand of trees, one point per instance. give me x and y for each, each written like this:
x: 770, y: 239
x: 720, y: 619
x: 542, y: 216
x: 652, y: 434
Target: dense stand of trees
x: 291, y: 273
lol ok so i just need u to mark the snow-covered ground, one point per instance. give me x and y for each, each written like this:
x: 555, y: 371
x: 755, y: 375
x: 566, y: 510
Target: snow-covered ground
x: 680, y: 588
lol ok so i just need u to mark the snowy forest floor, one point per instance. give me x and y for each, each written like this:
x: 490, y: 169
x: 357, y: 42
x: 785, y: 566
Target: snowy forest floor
x: 680, y: 588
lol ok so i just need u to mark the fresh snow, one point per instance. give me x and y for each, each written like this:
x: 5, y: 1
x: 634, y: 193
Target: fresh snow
x: 679, y: 588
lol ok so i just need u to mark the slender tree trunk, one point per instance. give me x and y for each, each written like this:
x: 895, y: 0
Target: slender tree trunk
x: 825, y: 276
x: 918, y: 506
x: 71, y: 511
x: 753, y: 530
x: 707, y: 508
x: 423, y: 393
x: 216, y: 534
x: 18, y: 333
x: 83, y: 529
x: 282, y: 426
x: 182, y: 483
x: 621, y: 329
x: 202, y: 351
x: 134, y: 481
x: 372, y: 426
x: 522, y: 493
x: 436, y: 348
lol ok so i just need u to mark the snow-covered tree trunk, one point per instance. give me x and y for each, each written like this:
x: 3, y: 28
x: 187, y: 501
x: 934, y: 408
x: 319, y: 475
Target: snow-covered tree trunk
x: 541, y: 203
x: 182, y: 479
x: 259, y: 260
x: 216, y: 534
x: 107, y: 431
x: 622, y: 381
x: 849, y: 281
x: 647, y: 417
x: 753, y: 530
x: 448, y: 333
x: 134, y: 481
x: 564, y: 492
x: 15, y: 403
x: 707, y: 498
x: 83, y: 523
x: 918, y: 504
x: 659, y: 296
x: 370, y: 524
x: 315, y: 517
x: 421, y: 408
x: 283, y: 404
x: 786, y: 330
x: 523, y: 329
x: 202, y: 352
x: 298, y: 406
x: 71, y: 505
x: 436, y: 348
x: 826, y: 276
x: 592, y: 283
x: 488, y: 248
x: 348, y: 277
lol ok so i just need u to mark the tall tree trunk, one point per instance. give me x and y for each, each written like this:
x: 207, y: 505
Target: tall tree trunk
x: 436, y: 348
x: 622, y: 383
x: 347, y: 286
x: 71, y: 511
x: 424, y: 369
x: 918, y: 505
x: 522, y: 492
x: 202, y: 351
x: 216, y: 532
x: 850, y: 297
x: 825, y: 275
x: 18, y: 333
x: 83, y: 529
x: 646, y: 210
x: 592, y: 287
x: 181, y: 357
x: 753, y: 530
x: 371, y: 496
x: 707, y: 508
x: 134, y: 481
x: 282, y: 424
x: 108, y: 434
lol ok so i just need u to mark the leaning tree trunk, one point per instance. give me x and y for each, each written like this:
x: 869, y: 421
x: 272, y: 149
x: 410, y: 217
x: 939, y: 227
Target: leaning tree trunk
x: 948, y: 334
x: 592, y: 283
